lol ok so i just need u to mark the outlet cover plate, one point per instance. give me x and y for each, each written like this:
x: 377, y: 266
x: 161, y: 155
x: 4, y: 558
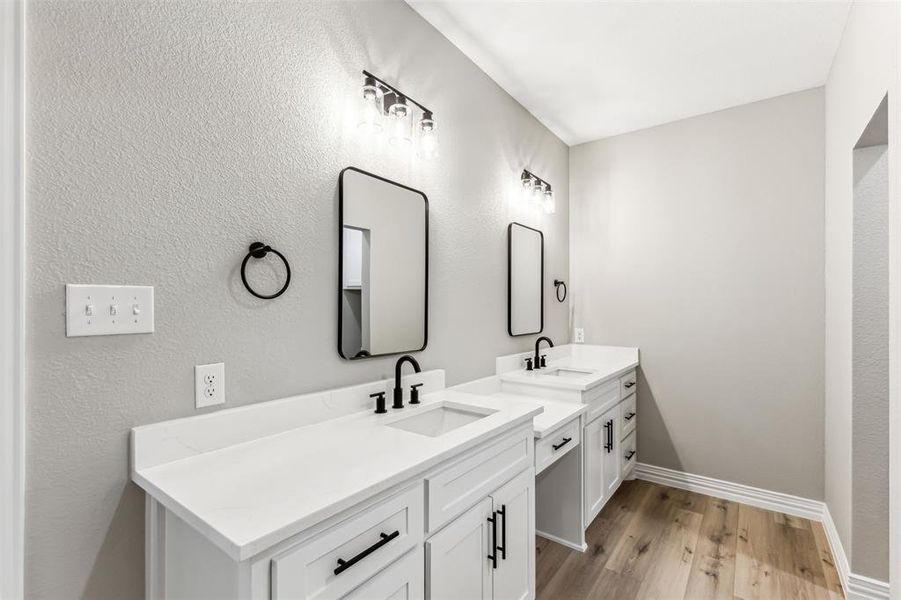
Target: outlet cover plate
x: 108, y: 309
x: 579, y: 335
x: 209, y: 385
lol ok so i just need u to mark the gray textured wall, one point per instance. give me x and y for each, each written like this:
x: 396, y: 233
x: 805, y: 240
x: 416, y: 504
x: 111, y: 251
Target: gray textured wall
x: 701, y: 242
x: 165, y: 137
x: 864, y: 68
x: 870, y: 415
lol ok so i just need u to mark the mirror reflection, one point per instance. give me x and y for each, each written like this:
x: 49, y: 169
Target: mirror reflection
x: 383, y: 295
x: 525, y: 280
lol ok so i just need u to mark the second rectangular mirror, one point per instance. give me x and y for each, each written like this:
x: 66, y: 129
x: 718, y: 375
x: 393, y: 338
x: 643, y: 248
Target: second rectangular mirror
x: 525, y: 280
x: 383, y: 266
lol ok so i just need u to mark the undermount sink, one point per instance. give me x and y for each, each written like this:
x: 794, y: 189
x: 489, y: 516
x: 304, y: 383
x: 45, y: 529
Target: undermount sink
x: 440, y: 419
x: 562, y: 372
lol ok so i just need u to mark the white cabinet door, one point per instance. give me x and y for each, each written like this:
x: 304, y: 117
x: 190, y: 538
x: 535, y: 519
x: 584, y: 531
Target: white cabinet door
x: 401, y: 580
x: 593, y: 438
x: 611, y: 445
x: 514, y: 509
x: 457, y: 564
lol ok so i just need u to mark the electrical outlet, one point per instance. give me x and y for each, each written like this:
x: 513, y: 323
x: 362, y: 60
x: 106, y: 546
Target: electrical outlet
x: 209, y: 385
x: 579, y: 335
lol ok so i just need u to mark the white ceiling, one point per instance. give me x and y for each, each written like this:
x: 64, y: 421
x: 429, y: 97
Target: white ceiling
x: 590, y: 70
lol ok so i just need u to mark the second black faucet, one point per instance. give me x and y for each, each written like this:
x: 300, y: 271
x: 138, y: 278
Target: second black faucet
x: 539, y: 360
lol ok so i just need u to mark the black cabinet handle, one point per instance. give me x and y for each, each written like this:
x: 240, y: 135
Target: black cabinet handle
x: 561, y: 444
x: 628, y: 384
x: 503, y: 547
x: 493, y: 555
x: 629, y: 416
x: 608, y: 443
x: 343, y: 565
x: 630, y: 454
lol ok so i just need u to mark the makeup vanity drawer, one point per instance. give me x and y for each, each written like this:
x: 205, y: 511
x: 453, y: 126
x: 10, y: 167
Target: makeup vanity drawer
x: 629, y: 416
x: 460, y: 486
x: 549, y: 449
x: 628, y: 383
x: 629, y: 454
x: 356, y: 548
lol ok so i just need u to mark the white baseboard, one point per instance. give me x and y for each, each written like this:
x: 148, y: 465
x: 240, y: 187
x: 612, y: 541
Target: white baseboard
x: 561, y: 541
x: 784, y: 503
x: 857, y: 587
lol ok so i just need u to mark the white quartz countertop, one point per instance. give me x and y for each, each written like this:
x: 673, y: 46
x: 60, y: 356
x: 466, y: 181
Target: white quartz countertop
x: 582, y: 370
x: 249, y: 496
x: 556, y: 413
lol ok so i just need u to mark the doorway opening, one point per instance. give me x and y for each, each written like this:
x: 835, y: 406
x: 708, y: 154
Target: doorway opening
x: 869, y: 552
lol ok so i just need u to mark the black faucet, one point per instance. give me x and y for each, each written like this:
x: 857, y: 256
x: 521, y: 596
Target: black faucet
x: 538, y: 363
x: 399, y: 391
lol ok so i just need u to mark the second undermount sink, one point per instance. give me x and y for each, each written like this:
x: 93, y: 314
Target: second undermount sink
x: 563, y: 372
x: 438, y: 420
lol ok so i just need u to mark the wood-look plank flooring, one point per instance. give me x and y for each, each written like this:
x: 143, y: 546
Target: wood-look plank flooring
x: 656, y: 542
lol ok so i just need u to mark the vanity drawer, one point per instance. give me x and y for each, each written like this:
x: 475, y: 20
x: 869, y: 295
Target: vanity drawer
x: 404, y: 579
x: 629, y: 416
x: 628, y: 383
x: 358, y: 548
x: 601, y: 400
x: 549, y: 449
x: 458, y: 487
x: 629, y: 455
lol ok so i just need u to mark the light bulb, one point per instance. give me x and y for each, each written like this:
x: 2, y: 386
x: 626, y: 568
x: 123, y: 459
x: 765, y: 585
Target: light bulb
x: 428, y: 137
x: 550, y: 204
x: 400, y: 128
x: 371, y: 108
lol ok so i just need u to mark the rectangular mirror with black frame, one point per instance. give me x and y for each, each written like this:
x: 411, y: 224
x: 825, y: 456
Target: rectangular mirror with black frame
x: 383, y: 255
x: 525, y: 280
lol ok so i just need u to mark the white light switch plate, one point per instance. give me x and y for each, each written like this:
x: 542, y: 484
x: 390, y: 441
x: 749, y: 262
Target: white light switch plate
x: 108, y: 309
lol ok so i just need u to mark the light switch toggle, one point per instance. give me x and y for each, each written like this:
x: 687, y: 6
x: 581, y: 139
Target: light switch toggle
x: 89, y: 310
x: 113, y: 310
x: 136, y: 309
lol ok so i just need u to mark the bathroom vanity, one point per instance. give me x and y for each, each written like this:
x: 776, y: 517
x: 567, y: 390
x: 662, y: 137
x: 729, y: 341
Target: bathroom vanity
x: 316, y: 496
x: 601, y: 381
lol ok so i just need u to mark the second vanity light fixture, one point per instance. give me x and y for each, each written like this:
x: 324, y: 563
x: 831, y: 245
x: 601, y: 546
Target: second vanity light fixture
x: 538, y: 191
x: 384, y: 107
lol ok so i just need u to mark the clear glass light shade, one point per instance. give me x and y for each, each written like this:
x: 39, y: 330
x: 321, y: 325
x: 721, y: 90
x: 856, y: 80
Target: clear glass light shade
x: 370, y: 122
x: 537, y: 197
x: 400, y: 128
x: 428, y: 137
x: 550, y: 204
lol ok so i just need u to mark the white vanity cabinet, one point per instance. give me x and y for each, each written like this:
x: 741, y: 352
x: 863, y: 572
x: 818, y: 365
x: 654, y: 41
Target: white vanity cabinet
x: 463, y: 527
x: 488, y: 551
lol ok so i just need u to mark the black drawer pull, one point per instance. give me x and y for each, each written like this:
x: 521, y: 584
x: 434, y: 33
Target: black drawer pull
x: 493, y: 556
x: 629, y: 416
x: 629, y: 384
x: 343, y: 565
x: 608, y: 443
x: 561, y: 444
x: 630, y: 454
x: 502, y: 511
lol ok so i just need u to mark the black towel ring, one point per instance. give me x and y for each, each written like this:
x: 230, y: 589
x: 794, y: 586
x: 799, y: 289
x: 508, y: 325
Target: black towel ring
x: 260, y: 250
x: 557, y: 284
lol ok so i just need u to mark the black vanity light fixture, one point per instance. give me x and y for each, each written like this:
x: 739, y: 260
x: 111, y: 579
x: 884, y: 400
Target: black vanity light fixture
x: 538, y: 191
x: 384, y: 107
